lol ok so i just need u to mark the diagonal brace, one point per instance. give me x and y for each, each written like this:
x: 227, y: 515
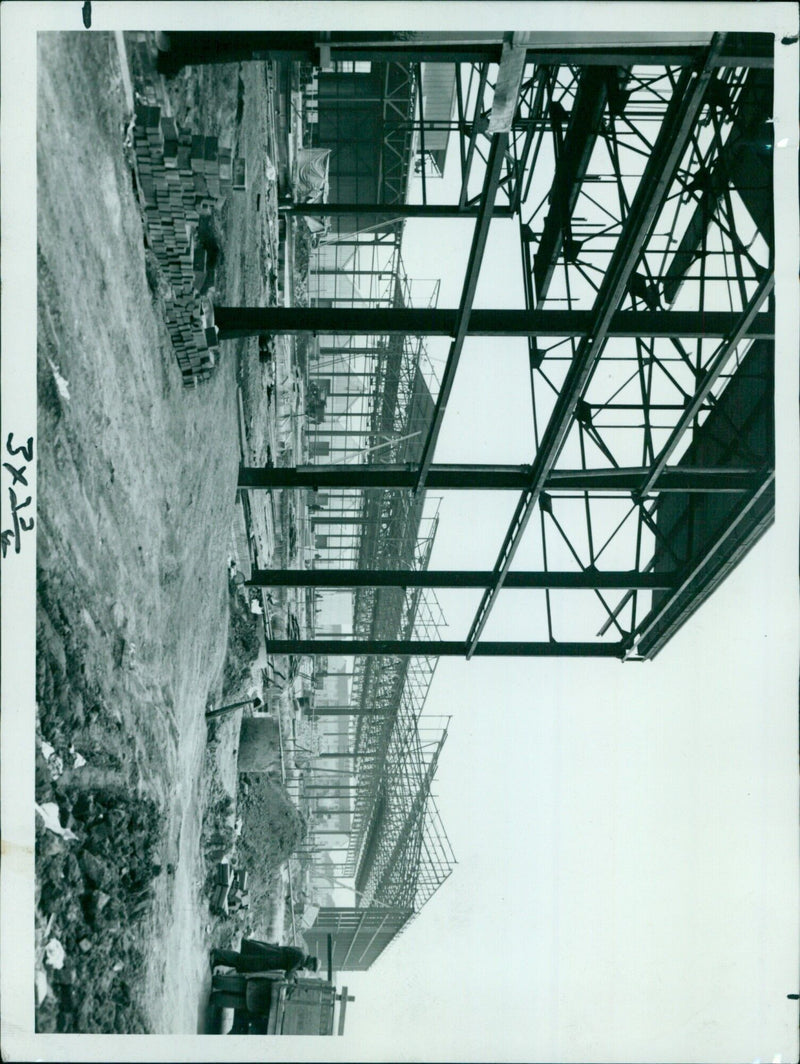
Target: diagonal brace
x: 682, y: 112
x: 491, y: 181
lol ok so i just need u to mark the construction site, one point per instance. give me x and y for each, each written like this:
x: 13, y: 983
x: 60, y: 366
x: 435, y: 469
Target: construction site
x: 283, y: 181
x: 639, y: 178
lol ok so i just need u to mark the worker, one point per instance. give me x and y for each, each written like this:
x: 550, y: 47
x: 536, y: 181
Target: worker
x: 255, y: 956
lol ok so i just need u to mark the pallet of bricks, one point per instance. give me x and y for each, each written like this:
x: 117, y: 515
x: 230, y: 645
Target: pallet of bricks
x: 181, y: 176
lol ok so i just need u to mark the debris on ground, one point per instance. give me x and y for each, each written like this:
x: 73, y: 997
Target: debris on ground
x: 49, y: 814
x: 54, y: 954
x: 94, y: 893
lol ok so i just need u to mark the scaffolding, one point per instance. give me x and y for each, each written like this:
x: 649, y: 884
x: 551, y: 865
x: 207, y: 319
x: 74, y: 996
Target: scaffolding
x: 371, y: 396
x: 385, y: 383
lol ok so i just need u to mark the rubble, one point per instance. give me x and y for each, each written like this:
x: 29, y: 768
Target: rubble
x: 54, y: 954
x: 50, y: 818
x: 94, y: 892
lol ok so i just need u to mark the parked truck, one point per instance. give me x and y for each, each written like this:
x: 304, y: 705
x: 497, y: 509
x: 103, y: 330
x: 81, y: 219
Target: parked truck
x: 271, y: 1003
x: 268, y: 1003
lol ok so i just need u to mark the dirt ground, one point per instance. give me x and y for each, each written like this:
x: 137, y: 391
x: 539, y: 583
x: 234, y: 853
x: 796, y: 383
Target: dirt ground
x: 249, y: 276
x: 136, y: 492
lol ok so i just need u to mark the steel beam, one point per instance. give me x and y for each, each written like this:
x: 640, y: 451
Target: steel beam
x: 342, y: 519
x: 382, y: 476
x: 399, y: 210
x: 236, y: 322
x: 624, y: 479
x: 350, y: 711
x: 579, y: 141
x: 494, y: 165
x: 681, y: 479
x: 681, y: 115
x: 588, y: 579
x: 186, y: 48
x: 579, y: 57
x: 438, y: 648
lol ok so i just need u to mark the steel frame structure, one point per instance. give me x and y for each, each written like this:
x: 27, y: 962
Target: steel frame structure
x: 641, y: 182
x: 359, y: 935
x: 640, y: 177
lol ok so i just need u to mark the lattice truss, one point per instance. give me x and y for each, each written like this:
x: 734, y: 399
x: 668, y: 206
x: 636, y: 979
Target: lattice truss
x: 475, y: 88
x: 400, y: 84
x: 641, y: 180
x: 588, y: 146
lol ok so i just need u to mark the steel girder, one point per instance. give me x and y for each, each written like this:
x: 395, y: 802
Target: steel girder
x: 184, y: 48
x: 438, y: 648
x: 675, y: 344
x: 236, y: 322
x: 625, y: 480
x: 702, y: 381
x: 480, y: 235
x: 401, y: 210
x: 585, y: 580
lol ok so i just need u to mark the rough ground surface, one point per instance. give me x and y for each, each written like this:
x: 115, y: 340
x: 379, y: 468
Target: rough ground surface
x: 249, y: 276
x: 136, y: 492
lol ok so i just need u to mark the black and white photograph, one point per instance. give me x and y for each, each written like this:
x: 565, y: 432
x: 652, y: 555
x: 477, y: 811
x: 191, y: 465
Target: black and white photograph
x: 400, y: 513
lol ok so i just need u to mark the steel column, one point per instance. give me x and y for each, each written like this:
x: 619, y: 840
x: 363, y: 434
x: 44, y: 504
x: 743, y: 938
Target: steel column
x: 391, y: 211
x: 338, y: 578
x: 236, y: 322
x: 348, y: 711
x: 437, y: 648
x: 496, y: 478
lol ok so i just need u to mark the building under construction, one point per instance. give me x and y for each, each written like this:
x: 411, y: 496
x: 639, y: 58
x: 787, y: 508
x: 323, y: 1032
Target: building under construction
x: 373, y: 395
x: 639, y: 173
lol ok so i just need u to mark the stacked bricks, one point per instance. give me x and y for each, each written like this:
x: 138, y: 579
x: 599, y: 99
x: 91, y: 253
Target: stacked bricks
x: 181, y: 176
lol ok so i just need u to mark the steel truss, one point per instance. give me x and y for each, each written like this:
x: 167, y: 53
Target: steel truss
x: 359, y: 935
x: 643, y: 191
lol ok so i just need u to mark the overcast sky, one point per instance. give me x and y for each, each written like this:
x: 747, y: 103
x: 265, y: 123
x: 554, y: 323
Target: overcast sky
x: 626, y: 834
